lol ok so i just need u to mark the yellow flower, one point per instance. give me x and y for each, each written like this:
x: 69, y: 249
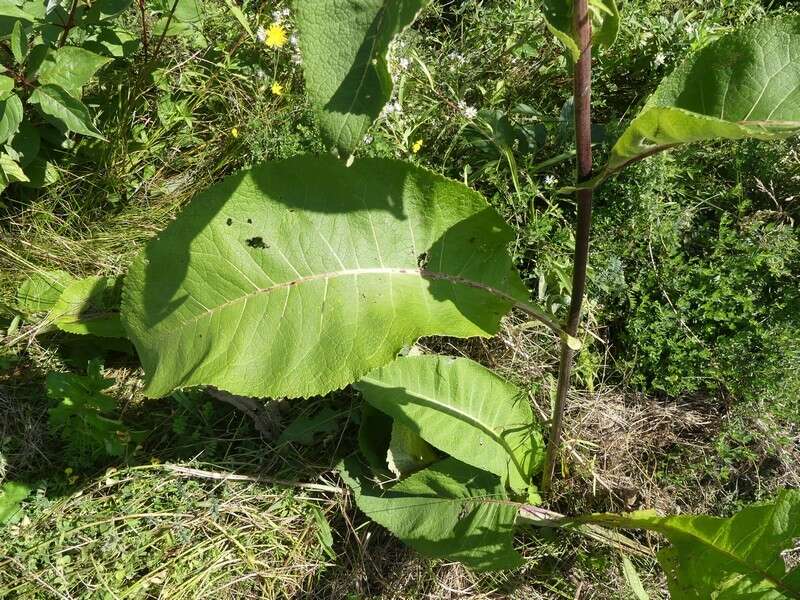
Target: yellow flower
x: 277, y: 89
x: 276, y: 36
x: 417, y: 146
x: 234, y: 132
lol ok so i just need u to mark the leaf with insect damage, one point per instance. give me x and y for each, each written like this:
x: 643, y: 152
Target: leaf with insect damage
x: 298, y: 277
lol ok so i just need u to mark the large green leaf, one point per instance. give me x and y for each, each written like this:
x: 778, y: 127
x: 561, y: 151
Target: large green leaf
x: 70, y: 68
x: 726, y: 559
x: 64, y: 111
x: 298, y: 277
x: 560, y: 19
x: 744, y: 85
x: 449, y: 510
x: 89, y: 307
x: 344, y: 45
x: 462, y: 409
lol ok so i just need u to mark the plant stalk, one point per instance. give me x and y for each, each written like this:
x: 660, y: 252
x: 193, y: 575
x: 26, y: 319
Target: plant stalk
x: 582, y: 93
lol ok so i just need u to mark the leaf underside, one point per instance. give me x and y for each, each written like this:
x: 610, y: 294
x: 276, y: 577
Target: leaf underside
x: 463, y: 409
x: 298, y: 277
x: 344, y: 46
x: 744, y: 85
x: 449, y: 510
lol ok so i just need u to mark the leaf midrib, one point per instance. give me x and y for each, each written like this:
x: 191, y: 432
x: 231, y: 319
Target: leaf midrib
x: 421, y: 273
x: 458, y: 413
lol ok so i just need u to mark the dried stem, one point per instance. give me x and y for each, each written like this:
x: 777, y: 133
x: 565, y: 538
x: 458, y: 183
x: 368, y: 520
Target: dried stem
x: 582, y: 90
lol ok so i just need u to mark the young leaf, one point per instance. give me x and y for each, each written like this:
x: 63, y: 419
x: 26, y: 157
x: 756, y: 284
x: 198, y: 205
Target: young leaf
x: 463, y: 409
x: 19, y: 45
x: 70, y: 68
x: 10, y: 117
x: 344, y: 46
x: 89, y: 306
x: 739, y: 557
x: 64, y: 111
x: 12, y: 493
x: 559, y: 17
x: 408, y: 452
x: 298, y: 277
x: 449, y: 510
x: 744, y: 85
x: 40, y: 291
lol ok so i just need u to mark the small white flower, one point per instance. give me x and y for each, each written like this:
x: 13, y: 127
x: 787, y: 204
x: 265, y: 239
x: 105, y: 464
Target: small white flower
x: 391, y: 108
x: 286, y: 12
x: 368, y: 139
x: 470, y: 112
x: 294, y: 40
x: 550, y: 180
x: 260, y: 73
x: 690, y: 29
x: 277, y: 16
x: 457, y: 57
x: 297, y: 59
x: 659, y: 59
x: 404, y: 63
x: 261, y: 34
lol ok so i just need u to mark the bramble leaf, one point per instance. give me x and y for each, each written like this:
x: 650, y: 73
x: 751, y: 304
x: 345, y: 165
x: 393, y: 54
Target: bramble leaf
x: 344, y: 46
x: 463, y: 409
x: 298, y: 277
x: 743, y: 85
x: 449, y: 510
x: 739, y: 557
x: 64, y: 111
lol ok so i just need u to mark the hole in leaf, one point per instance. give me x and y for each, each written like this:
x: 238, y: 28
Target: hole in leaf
x: 229, y: 222
x: 256, y: 242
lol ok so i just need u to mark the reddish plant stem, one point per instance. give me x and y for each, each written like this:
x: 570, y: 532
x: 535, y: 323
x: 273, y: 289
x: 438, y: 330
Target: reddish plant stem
x: 582, y: 94
x: 69, y: 24
x: 145, y: 35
